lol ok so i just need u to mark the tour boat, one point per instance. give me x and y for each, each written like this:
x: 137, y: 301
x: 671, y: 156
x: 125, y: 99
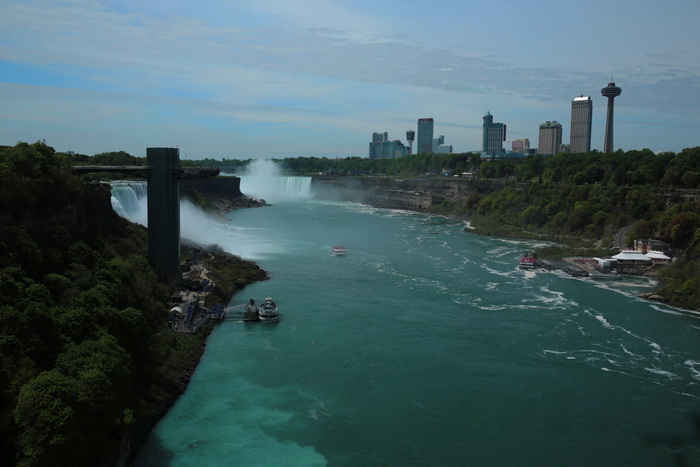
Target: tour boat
x: 339, y: 251
x: 268, y: 312
x: 528, y: 262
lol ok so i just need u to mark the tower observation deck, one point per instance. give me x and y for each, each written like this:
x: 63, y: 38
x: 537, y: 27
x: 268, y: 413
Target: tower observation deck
x: 611, y: 92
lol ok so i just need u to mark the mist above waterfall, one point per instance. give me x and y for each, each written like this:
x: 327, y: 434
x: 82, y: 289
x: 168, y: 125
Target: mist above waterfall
x: 130, y: 200
x: 262, y: 168
x: 263, y: 179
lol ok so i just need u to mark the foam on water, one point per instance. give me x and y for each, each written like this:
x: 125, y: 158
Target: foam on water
x: 661, y: 372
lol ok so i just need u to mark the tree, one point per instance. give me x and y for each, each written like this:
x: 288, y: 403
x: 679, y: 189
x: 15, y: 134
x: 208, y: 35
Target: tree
x: 47, y: 416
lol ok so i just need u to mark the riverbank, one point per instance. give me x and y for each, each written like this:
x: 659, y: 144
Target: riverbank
x: 567, y: 248
x: 229, y: 273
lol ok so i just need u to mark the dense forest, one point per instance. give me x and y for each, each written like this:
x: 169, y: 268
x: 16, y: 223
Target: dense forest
x: 87, y: 361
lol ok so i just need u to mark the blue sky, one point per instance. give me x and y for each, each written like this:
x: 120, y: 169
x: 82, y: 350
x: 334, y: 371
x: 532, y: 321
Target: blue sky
x: 277, y: 78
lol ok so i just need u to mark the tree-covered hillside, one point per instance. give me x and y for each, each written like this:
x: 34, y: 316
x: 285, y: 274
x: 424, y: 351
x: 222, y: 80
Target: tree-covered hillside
x: 86, y: 359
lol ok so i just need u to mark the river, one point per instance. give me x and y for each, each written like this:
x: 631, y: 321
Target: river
x: 427, y: 346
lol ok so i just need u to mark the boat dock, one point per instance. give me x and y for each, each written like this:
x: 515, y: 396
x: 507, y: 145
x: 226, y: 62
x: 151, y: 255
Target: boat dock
x: 245, y: 312
x: 188, y: 312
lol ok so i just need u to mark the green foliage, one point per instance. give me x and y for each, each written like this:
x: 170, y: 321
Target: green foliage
x: 78, y: 317
x: 23, y: 166
x: 115, y: 158
x: 47, y: 416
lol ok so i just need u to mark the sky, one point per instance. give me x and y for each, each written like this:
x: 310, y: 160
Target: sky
x: 277, y: 78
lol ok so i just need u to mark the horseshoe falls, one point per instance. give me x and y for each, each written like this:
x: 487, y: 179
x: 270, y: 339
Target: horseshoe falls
x: 426, y: 346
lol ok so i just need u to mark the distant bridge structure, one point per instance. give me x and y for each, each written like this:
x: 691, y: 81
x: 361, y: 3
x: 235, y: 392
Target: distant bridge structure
x: 163, y: 174
x: 142, y: 171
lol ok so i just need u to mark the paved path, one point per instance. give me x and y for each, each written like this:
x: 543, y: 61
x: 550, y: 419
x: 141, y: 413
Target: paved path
x: 620, y: 240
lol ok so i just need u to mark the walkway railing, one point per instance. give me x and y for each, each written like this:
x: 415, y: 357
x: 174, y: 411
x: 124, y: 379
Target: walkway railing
x: 236, y: 311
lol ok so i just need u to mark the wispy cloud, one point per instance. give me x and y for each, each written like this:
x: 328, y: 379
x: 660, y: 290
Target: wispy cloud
x: 334, y: 63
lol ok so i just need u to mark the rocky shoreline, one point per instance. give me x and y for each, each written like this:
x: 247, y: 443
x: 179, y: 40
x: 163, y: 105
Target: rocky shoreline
x: 502, y: 231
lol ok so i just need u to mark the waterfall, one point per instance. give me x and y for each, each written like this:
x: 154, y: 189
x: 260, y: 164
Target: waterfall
x: 129, y: 200
x: 276, y: 188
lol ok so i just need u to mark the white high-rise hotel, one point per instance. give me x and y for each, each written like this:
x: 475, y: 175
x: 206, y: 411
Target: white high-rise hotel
x: 581, y: 117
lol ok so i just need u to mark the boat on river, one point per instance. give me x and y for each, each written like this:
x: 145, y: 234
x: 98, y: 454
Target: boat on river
x: 268, y: 312
x: 339, y: 251
x: 528, y: 262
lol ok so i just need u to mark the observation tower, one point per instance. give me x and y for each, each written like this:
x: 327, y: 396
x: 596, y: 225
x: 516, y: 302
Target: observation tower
x: 611, y: 92
x: 410, y: 136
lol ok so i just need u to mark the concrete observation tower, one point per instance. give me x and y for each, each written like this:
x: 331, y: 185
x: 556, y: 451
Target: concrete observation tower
x: 611, y: 92
x: 410, y: 136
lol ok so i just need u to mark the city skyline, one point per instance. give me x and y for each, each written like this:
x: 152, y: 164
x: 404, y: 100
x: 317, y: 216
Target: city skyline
x: 315, y: 78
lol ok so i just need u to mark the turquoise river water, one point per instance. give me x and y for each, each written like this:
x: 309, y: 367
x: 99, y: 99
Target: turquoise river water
x: 427, y: 346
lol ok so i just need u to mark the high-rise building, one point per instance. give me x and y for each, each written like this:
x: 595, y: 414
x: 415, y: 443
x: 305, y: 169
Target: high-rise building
x: 375, y: 147
x: 521, y: 146
x: 380, y: 137
x: 439, y: 146
x: 550, y: 137
x: 425, y: 136
x: 581, y: 118
x: 437, y: 142
x: 493, y: 135
x: 611, y: 92
x: 382, y: 148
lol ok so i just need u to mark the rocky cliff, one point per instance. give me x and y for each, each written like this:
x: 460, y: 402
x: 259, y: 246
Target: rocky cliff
x: 220, y: 194
x: 422, y: 193
x: 401, y: 193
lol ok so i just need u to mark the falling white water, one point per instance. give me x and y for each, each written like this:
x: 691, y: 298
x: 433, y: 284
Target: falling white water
x: 130, y: 200
x: 263, y: 179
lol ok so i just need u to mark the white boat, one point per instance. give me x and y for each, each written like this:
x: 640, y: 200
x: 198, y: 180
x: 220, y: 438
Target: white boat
x: 340, y: 251
x: 268, y: 312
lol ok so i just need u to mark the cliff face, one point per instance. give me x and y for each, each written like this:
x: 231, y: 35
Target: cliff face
x: 401, y: 193
x: 218, y: 186
x: 421, y: 193
x: 221, y: 194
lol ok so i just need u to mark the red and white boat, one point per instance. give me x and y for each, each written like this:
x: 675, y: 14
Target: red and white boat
x: 528, y: 262
x: 340, y: 251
